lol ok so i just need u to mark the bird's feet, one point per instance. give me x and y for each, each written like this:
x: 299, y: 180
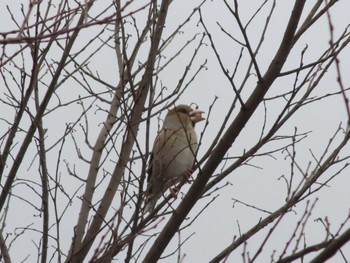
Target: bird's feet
x: 174, y: 191
x: 188, y: 174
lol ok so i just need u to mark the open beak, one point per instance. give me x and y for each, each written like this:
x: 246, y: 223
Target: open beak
x: 196, y: 115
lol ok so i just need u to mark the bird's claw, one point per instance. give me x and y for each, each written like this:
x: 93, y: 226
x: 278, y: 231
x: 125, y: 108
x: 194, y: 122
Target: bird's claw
x: 174, y: 191
x: 188, y: 174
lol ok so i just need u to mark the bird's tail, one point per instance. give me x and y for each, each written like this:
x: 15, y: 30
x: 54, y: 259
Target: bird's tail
x: 150, y: 203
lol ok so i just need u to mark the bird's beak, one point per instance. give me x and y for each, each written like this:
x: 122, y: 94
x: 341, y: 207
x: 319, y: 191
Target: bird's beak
x: 196, y: 115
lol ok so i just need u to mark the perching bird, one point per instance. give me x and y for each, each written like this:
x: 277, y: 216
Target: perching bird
x: 173, y: 152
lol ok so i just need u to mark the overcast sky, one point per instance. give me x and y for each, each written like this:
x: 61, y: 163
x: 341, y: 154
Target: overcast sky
x: 258, y: 184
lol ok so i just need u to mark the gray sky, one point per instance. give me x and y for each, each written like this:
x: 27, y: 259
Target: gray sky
x: 259, y: 184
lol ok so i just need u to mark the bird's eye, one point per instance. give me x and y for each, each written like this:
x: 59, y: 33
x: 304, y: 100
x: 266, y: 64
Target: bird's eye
x: 183, y: 111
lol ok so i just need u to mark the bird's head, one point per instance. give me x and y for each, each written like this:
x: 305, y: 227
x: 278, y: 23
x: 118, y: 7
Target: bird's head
x: 186, y: 115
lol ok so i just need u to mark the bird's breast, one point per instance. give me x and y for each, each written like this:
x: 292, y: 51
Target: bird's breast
x: 177, y: 153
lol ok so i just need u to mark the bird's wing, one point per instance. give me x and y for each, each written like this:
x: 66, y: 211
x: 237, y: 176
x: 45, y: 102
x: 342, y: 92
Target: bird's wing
x: 150, y: 167
x: 153, y: 157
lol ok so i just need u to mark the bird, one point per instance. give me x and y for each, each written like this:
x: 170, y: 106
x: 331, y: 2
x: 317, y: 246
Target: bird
x: 173, y: 153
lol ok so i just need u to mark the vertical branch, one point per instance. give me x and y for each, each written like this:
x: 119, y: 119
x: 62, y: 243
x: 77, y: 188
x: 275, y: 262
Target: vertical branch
x: 133, y: 125
x: 44, y: 182
x: 42, y: 156
x: 44, y: 192
x: 4, y: 255
x: 337, y: 63
x: 93, y: 170
x: 17, y: 120
x: 102, y: 137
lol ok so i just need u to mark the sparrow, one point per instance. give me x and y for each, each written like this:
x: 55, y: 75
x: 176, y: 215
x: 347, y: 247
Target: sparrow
x: 173, y: 153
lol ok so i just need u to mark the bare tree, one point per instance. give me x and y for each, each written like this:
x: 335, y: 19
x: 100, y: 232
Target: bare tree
x: 84, y: 87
